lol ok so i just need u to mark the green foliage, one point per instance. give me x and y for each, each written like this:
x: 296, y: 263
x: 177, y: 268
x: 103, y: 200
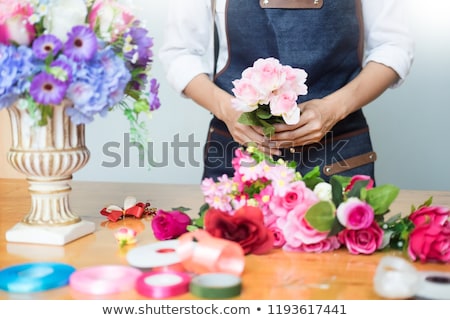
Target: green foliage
x: 380, y: 198
x: 321, y: 216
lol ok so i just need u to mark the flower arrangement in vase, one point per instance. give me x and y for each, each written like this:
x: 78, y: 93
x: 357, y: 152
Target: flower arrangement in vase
x: 62, y: 63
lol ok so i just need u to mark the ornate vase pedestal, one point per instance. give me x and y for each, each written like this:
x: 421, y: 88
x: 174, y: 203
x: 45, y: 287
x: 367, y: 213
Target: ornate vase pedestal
x: 48, y: 155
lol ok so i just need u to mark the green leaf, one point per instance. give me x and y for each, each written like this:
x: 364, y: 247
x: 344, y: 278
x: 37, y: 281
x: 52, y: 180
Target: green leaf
x: 182, y: 209
x: 357, y: 187
x: 263, y: 113
x: 312, y: 178
x: 336, y: 190
x: 381, y: 197
x: 249, y: 118
x: 321, y: 216
x: 335, y: 228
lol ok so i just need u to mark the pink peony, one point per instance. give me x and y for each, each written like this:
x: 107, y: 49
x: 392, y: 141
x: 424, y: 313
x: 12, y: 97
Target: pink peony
x: 365, y: 241
x: 355, y: 214
x: 430, y: 242
x: 169, y: 225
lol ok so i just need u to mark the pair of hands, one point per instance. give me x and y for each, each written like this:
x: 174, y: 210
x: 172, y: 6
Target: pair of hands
x: 316, y: 119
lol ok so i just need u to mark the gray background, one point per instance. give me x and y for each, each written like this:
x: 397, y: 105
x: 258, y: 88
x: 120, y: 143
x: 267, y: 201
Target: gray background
x: 410, y: 124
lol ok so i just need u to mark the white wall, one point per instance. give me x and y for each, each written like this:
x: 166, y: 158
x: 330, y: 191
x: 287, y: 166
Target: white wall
x: 410, y: 125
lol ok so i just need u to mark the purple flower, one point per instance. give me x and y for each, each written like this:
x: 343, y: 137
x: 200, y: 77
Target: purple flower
x: 153, y: 99
x: 46, y: 89
x: 81, y: 44
x: 141, y: 54
x: 45, y: 45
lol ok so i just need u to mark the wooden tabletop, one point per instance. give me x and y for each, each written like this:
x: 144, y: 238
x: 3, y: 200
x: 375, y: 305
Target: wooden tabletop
x: 273, y: 276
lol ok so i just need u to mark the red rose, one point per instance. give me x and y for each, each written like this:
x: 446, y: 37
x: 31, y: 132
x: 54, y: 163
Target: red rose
x: 169, y: 225
x: 432, y: 214
x: 245, y: 226
x: 430, y: 242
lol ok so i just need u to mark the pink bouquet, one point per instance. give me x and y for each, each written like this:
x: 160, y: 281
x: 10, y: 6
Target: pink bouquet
x: 307, y: 214
x: 267, y: 93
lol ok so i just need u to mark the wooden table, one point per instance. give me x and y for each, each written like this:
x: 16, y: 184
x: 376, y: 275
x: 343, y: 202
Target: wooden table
x: 274, y: 276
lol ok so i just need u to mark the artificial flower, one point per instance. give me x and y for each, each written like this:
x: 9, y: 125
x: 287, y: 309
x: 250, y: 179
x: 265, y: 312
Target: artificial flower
x: 125, y: 236
x: 267, y: 93
x: 430, y: 242
x: 307, y: 214
x: 169, y: 224
x: 245, y: 226
x: 364, y: 241
x: 96, y: 54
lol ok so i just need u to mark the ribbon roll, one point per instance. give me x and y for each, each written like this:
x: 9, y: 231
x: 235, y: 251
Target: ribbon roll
x: 395, y: 278
x: 154, y: 255
x: 216, y: 286
x: 34, y: 277
x: 104, y: 280
x: 201, y: 253
x: 162, y: 284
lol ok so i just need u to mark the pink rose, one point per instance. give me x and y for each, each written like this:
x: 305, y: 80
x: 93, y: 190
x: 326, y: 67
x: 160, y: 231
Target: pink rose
x: 278, y: 237
x: 283, y: 102
x: 297, y: 195
x: 169, y: 225
x: 297, y: 231
x: 355, y: 214
x: 433, y: 214
x: 110, y: 17
x: 14, y: 25
x: 328, y: 244
x: 266, y: 74
x: 430, y: 242
x: 247, y: 96
x: 364, y: 241
x: 357, y: 178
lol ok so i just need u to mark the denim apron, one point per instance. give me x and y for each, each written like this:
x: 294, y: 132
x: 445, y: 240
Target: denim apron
x: 327, y: 43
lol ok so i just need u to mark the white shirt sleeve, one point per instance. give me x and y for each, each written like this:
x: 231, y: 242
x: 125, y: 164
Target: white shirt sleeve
x: 187, y: 46
x: 187, y: 49
x: 387, y: 35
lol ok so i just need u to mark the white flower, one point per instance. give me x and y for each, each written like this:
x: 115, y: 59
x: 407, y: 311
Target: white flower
x: 63, y: 15
x: 323, y: 191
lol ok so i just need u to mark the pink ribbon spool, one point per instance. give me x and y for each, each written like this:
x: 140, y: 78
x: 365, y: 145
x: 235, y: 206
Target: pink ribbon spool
x: 104, y: 280
x: 201, y: 253
x: 163, y: 284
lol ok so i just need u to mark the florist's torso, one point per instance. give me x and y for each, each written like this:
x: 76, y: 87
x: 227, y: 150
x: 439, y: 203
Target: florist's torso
x: 326, y: 42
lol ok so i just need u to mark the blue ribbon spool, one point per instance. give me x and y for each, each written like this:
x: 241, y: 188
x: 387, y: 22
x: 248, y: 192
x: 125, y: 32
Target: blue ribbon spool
x: 34, y: 277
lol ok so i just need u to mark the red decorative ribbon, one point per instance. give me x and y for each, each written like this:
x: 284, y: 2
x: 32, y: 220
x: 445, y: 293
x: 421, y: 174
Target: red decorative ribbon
x: 202, y: 253
x: 130, y: 208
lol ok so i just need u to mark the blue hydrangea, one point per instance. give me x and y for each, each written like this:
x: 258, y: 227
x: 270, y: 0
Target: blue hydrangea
x: 97, y: 85
x: 16, y: 66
